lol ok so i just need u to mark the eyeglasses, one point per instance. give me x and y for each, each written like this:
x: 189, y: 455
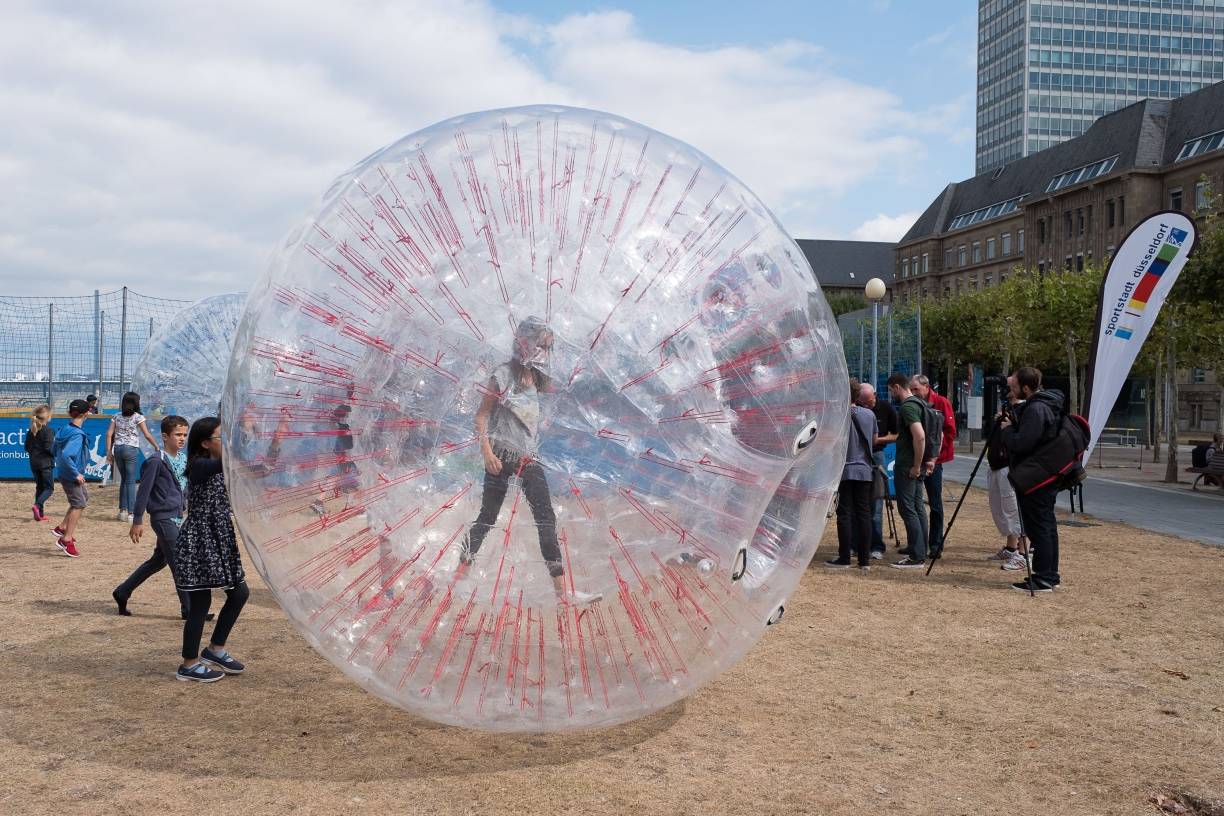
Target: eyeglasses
x: 215, y: 437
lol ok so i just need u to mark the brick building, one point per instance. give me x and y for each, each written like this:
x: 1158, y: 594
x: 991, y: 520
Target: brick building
x: 1069, y: 204
x: 1072, y: 204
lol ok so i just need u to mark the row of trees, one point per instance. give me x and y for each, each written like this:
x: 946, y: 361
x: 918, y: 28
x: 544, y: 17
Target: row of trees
x: 1048, y: 321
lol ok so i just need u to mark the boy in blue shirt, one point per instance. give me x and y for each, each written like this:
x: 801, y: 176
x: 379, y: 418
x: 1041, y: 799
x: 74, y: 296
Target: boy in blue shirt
x: 71, y: 452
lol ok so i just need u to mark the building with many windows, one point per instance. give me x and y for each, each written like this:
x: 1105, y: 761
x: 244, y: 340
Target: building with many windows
x: 1072, y: 204
x: 1047, y: 70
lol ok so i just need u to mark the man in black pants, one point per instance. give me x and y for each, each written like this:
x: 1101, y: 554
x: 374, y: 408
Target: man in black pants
x: 1037, y: 419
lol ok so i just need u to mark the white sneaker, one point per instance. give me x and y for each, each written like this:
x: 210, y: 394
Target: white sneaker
x: 121, y: 516
x: 1015, y: 561
x: 580, y: 598
x: 129, y: 518
x: 1002, y: 555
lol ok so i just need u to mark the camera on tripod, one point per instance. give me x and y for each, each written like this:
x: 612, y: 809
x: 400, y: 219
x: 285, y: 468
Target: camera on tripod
x: 1002, y: 393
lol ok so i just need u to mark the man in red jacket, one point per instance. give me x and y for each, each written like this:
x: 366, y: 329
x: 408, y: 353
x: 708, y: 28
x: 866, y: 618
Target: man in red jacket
x: 921, y: 387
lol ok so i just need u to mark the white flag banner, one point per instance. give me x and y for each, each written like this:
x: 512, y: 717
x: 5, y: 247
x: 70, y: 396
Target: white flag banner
x: 1138, y: 280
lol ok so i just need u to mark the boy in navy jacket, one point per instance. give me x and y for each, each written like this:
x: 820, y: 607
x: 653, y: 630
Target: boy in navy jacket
x: 71, y: 451
x: 162, y: 478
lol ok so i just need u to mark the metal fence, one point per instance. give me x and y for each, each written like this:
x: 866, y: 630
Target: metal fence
x: 56, y: 349
x: 894, y: 337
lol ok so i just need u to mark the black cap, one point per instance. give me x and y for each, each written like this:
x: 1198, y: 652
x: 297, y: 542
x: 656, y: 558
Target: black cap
x: 92, y: 398
x: 78, y: 406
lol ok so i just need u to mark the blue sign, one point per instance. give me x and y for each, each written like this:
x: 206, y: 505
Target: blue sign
x: 15, y: 464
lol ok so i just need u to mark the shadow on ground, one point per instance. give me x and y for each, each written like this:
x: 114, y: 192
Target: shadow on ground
x: 109, y: 696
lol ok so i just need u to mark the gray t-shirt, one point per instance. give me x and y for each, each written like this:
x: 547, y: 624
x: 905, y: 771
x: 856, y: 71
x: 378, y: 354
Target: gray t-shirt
x: 858, y: 456
x: 516, y: 419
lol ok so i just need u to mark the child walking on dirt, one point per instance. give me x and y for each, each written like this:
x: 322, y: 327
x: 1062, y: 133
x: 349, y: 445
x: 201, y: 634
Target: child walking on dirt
x: 207, y: 558
x: 39, y: 447
x: 123, y: 449
x: 71, y: 452
x: 163, y: 482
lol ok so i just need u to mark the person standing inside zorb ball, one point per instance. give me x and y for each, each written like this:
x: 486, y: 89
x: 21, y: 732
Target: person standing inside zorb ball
x: 508, y: 424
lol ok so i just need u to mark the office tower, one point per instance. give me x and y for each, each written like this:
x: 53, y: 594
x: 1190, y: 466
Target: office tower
x: 1046, y: 71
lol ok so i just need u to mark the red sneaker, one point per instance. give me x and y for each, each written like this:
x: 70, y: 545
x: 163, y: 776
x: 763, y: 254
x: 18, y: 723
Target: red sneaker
x: 38, y: 516
x: 58, y: 531
x: 68, y: 545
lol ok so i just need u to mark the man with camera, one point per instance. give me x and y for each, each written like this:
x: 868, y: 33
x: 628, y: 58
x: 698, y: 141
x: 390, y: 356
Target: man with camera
x: 907, y: 472
x: 1037, y: 414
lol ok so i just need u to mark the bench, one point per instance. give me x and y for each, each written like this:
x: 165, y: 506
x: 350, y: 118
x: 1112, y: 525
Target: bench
x: 1214, y: 468
x: 1121, y: 437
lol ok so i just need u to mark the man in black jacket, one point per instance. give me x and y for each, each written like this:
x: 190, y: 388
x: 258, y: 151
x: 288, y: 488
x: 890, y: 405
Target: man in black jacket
x: 1037, y: 418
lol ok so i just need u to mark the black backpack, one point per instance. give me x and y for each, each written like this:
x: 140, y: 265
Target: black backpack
x: 932, y: 425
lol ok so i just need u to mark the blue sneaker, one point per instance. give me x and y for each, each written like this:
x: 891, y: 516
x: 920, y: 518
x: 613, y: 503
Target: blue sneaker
x: 222, y: 660
x: 198, y: 673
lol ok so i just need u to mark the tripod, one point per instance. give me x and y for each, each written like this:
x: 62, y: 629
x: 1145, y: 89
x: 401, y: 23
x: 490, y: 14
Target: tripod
x: 990, y: 437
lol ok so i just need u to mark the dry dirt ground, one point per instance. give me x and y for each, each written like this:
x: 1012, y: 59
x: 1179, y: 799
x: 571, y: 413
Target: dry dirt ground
x: 883, y: 692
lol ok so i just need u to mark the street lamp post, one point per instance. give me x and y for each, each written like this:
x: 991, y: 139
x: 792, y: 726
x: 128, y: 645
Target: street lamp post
x: 875, y: 291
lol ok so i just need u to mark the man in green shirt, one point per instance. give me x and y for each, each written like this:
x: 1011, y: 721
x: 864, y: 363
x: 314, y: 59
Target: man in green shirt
x: 907, y: 472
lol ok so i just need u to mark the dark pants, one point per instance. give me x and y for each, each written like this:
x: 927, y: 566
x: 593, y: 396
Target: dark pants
x: 199, y: 600
x: 44, y: 486
x: 854, y: 520
x: 909, y: 505
x: 1037, y: 515
x: 877, y: 512
x: 126, y: 457
x: 535, y: 487
x: 934, y: 494
x: 167, y: 533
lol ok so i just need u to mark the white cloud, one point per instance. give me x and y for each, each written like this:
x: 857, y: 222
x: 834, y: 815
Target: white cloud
x: 885, y: 227
x: 169, y: 147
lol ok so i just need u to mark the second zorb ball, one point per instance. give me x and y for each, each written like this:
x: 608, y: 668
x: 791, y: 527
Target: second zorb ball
x: 534, y: 425
x: 183, y: 366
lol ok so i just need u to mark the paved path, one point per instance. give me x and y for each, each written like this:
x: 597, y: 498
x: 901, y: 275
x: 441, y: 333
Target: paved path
x: 1198, y: 516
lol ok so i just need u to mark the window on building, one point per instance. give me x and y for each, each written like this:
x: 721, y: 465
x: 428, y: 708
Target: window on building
x: 1200, y: 145
x: 961, y: 256
x: 1020, y: 241
x: 985, y: 213
x: 926, y: 265
x: 1079, y: 174
x: 948, y: 259
x: 1079, y: 221
x: 1041, y: 231
x: 1121, y: 211
x: 977, y: 252
x: 1175, y: 199
x: 1067, y: 263
x: 988, y: 279
x: 1198, y: 375
x: 1198, y: 417
x: 1005, y: 244
x: 1041, y: 268
x: 1109, y: 213
x: 914, y: 264
x: 990, y: 249
x: 1202, y: 199
x: 1079, y: 262
x: 905, y: 268
x: 1068, y: 225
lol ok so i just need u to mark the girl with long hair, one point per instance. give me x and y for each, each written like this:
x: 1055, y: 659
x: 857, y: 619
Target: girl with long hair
x: 207, y: 558
x: 507, y: 424
x: 123, y: 450
x: 39, y: 441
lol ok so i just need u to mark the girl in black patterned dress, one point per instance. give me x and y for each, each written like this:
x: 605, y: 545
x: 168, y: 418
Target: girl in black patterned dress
x: 207, y: 558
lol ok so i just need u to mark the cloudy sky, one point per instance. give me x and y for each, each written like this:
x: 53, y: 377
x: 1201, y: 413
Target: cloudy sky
x: 169, y: 146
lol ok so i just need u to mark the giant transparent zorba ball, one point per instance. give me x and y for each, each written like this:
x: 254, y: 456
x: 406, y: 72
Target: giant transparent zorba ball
x: 614, y: 324
x: 183, y: 366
